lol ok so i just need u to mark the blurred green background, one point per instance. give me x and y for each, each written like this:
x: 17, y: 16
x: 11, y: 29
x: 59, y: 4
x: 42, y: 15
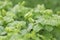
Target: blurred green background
x: 50, y: 4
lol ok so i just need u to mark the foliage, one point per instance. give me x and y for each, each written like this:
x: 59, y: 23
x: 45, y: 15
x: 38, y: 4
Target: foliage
x: 18, y: 22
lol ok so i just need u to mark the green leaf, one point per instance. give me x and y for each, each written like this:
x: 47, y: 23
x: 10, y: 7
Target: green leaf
x: 48, y: 28
x: 37, y: 28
